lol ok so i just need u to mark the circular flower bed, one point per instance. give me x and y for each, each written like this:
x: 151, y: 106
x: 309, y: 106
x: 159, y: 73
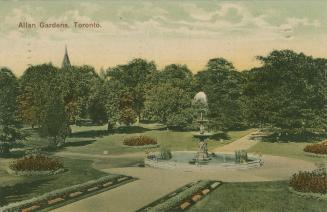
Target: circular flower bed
x: 314, y: 181
x: 36, y: 165
x: 140, y: 141
x: 320, y: 148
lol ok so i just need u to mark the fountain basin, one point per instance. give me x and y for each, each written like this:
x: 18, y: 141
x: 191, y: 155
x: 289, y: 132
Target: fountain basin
x: 181, y: 161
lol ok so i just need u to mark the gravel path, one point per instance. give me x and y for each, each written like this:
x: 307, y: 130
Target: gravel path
x: 242, y: 143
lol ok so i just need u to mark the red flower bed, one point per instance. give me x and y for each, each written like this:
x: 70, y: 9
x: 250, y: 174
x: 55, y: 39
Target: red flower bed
x: 315, y: 181
x: 139, y: 141
x: 320, y: 148
x: 36, y: 163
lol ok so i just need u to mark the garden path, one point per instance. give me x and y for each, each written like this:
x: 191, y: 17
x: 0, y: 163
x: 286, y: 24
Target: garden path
x: 243, y: 143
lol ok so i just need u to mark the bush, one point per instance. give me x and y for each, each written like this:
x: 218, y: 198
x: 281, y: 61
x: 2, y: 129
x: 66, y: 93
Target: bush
x: 241, y: 156
x: 139, y: 141
x: 36, y: 163
x: 165, y: 154
x: 320, y: 148
x: 314, y: 181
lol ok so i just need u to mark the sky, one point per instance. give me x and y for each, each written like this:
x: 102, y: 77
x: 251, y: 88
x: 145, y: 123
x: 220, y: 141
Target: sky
x: 167, y: 31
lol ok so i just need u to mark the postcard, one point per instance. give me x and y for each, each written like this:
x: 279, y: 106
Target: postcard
x: 122, y: 106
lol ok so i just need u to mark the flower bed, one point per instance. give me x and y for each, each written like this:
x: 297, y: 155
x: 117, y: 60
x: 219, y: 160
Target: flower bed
x: 320, y: 148
x: 182, y: 198
x: 315, y: 181
x: 61, y: 195
x: 139, y: 141
x: 36, y: 163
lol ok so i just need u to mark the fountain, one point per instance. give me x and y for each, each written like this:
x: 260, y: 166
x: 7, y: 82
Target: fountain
x: 202, y: 156
x: 202, y: 159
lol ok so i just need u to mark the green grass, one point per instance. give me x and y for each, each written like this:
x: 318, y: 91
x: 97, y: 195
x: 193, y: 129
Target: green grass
x: 257, y: 196
x: 291, y: 149
x: 113, y: 143
x: 16, y: 188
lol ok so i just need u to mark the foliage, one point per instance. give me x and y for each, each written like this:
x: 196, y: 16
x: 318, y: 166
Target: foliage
x: 9, y: 121
x: 36, y: 163
x: 55, y: 123
x: 320, y: 148
x: 165, y: 154
x: 241, y: 156
x: 168, y: 104
x: 310, y: 181
x: 127, y: 115
x: 133, y: 76
x: 223, y: 86
x: 35, y: 84
x: 80, y: 85
x: 288, y: 92
x: 140, y: 141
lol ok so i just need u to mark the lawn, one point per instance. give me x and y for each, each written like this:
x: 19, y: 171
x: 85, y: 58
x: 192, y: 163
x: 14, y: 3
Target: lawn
x: 256, y: 196
x: 16, y: 188
x: 291, y: 149
x: 113, y: 143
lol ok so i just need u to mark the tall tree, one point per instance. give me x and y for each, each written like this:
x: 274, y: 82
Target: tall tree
x: 223, y: 86
x: 35, y: 85
x: 169, y: 105
x: 291, y: 89
x: 134, y: 77
x: 9, y: 122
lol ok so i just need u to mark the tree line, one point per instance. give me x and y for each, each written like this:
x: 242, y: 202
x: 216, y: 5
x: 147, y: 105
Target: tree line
x: 286, y: 94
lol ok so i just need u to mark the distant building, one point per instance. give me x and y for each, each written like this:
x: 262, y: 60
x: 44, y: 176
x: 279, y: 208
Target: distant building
x: 66, y: 61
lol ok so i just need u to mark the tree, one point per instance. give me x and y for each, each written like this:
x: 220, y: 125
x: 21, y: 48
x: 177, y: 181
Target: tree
x: 169, y: 105
x: 291, y: 90
x: 78, y: 84
x: 34, y: 85
x: 55, y: 125
x: 178, y: 76
x: 223, y: 86
x: 134, y: 77
x: 126, y: 113
x: 9, y: 122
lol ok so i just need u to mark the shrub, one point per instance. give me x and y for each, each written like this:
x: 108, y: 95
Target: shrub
x: 165, y: 154
x: 36, y: 163
x: 241, y: 156
x: 140, y: 141
x: 314, y: 181
x: 320, y: 148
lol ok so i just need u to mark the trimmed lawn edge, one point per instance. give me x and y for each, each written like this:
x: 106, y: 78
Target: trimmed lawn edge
x: 311, y: 195
x: 49, y: 200
x: 80, y: 197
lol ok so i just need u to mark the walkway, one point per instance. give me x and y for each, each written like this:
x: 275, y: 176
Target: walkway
x: 241, y: 144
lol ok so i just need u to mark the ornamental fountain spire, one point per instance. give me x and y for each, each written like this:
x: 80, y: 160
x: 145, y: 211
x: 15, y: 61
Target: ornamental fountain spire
x: 201, y: 102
